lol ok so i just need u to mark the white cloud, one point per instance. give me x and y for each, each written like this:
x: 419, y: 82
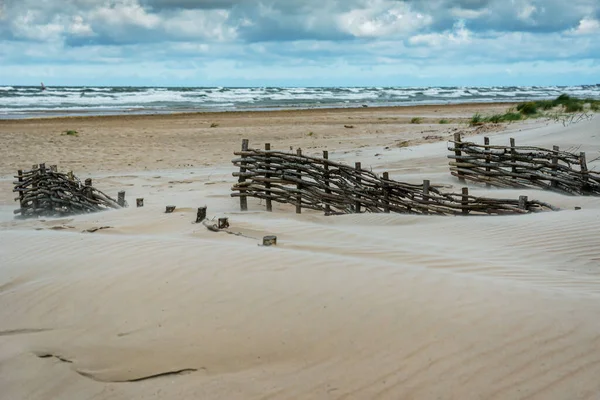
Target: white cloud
x: 462, y: 13
x: 382, y: 18
x: 587, y: 26
x: 459, y: 35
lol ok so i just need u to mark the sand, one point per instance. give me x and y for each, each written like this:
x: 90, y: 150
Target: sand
x: 350, y: 307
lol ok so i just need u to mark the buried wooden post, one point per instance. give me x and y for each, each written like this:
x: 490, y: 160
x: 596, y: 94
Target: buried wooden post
x: 299, y: 186
x: 21, y: 195
x: 139, y: 202
x: 426, y: 185
x: 268, y: 177
x: 457, y: 153
x: 513, y: 157
x: 326, y: 178
x: 584, y: 169
x: 465, y: 201
x: 54, y: 168
x: 523, y: 202
x: 223, y: 223
x: 243, y: 198
x: 88, y: 182
x: 169, y: 209
x: 121, y: 198
x: 486, y: 142
x: 269, y: 240
x: 357, y: 167
x: 554, y: 182
x: 201, y: 215
x: 386, y: 193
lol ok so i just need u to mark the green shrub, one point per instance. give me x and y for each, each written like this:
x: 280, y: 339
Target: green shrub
x: 529, y: 108
x: 562, y: 99
x: 545, y: 104
x: 416, y: 120
x: 595, y: 107
x: 214, y: 125
x: 444, y: 121
x: 573, y: 106
x: 71, y: 133
x: 476, y: 119
x: 512, y: 116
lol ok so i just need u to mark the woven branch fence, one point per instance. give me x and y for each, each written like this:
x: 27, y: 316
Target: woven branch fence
x: 324, y: 185
x: 523, y: 167
x: 47, y: 192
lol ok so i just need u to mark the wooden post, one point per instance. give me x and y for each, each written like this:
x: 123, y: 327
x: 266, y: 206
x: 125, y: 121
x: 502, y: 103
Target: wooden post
x: 88, y: 182
x: 43, y: 168
x: 21, y: 195
x: 513, y: 156
x: 465, y: 201
x: 386, y: 193
x: 54, y: 168
x: 326, y: 177
x: 243, y: 198
x: 426, y: 185
x: 584, y: 170
x: 201, y: 215
x: 269, y: 240
x: 553, y: 182
x: 223, y: 223
x: 170, y: 209
x: 357, y: 167
x: 268, y: 176
x: 139, y: 202
x: 486, y: 142
x: 457, y: 152
x: 121, y: 198
x: 523, y: 202
x: 299, y: 186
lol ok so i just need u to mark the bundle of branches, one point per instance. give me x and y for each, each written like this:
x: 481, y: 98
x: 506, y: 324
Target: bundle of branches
x: 47, y: 192
x: 321, y: 184
x: 523, y: 167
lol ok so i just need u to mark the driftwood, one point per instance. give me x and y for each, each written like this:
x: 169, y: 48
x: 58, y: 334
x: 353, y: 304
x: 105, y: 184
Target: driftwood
x: 523, y: 167
x: 335, y: 188
x: 47, y: 192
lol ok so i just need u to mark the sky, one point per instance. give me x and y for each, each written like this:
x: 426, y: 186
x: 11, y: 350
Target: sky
x: 299, y: 43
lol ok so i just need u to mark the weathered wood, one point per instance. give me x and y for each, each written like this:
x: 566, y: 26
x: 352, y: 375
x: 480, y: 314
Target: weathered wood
x: 139, y: 202
x: 554, y: 182
x: 201, y: 214
x: 386, y: 193
x: 583, y: 168
x: 465, y: 201
x: 223, y: 223
x: 299, y: 187
x: 426, y: 185
x: 326, y: 179
x: 523, y: 202
x: 268, y: 184
x: 457, y: 152
x: 243, y: 199
x: 121, y: 198
x: 169, y: 209
x: 269, y: 240
x: 358, y: 167
x: 486, y: 141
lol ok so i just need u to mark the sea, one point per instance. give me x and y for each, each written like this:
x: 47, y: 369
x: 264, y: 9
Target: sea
x: 32, y: 101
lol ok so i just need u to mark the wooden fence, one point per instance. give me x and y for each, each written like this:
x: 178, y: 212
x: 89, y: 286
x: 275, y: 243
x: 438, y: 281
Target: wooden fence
x: 47, y: 192
x: 324, y: 185
x: 522, y: 167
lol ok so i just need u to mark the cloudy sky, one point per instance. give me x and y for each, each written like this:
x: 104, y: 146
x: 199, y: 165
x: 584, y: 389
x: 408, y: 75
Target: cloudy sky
x: 299, y: 42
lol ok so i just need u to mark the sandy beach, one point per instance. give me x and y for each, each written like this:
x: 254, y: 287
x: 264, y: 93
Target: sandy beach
x: 362, y: 306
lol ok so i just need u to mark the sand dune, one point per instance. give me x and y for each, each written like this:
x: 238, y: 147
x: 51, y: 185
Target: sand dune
x: 350, y: 307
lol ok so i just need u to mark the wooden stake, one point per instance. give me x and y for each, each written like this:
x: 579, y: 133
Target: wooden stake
x: 386, y: 193
x: 513, y: 156
x: 269, y: 240
x: 457, y: 152
x: 201, y: 215
x: 223, y: 223
x: 21, y: 195
x: 121, y: 198
x: 139, y: 202
x: 465, y: 200
x: 426, y: 185
x: 486, y: 142
x: 243, y: 197
x: 170, y: 209
x: 299, y: 187
x: 267, y: 175
x: 357, y: 166
x: 584, y: 169
x: 326, y: 178
x: 523, y: 202
x: 553, y: 182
